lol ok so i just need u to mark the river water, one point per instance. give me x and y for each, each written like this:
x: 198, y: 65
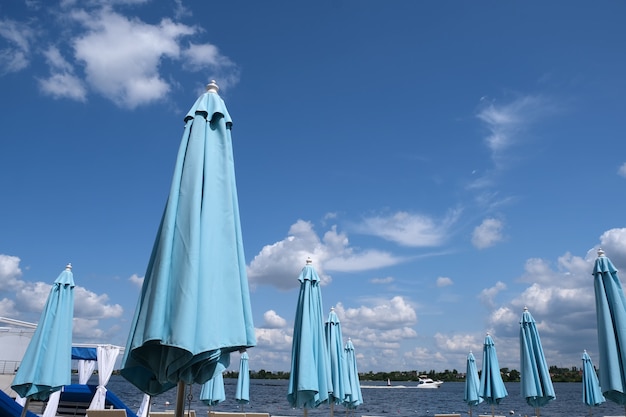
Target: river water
x: 270, y: 396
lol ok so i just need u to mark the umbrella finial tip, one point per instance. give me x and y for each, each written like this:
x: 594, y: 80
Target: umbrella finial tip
x: 68, y: 266
x: 212, y: 87
x: 600, y: 252
x: 525, y: 308
x: 309, y: 261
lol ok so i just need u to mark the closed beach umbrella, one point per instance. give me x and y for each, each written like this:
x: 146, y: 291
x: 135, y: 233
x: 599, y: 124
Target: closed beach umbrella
x: 592, y: 394
x: 355, y: 397
x: 47, y: 363
x: 338, y: 369
x: 536, y: 385
x: 492, y: 388
x: 309, y: 380
x: 194, y: 306
x: 242, y: 393
x: 212, y: 392
x: 472, y: 383
x: 611, y: 318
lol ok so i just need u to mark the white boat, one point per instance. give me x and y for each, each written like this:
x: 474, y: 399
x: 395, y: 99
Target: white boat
x: 425, y: 382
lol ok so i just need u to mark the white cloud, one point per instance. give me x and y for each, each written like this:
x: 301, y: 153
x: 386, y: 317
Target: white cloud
x: 621, y: 171
x: 15, y: 55
x: 273, y: 321
x: 409, y: 229
x: 280, y: 263
x: 62, y: 83
x: 444, y: 281
x: 90, y: 305
x: 487, y: 234
x: 10, y: 273
x: 613, y: 242
x: 384, y: 314
x: 386, y: 280
x: 136, y: 280
x: 488, y: 294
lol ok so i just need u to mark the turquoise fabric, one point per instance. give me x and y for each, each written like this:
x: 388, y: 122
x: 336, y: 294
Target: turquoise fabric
x: 194, y: 307
x: 592, y: 394
x: 338, y: 368
x: 309, y: 381
x: 355, y: 398
x: 611, y: 318
x: 492, y: 389
x: 47, y: 362
x: 242, y: 393
x: 535, y: 383
x: 212, y: 392
x: 472, y: 383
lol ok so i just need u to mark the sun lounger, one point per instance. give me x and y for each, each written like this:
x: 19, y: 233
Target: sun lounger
x: 170, y: 413
x: 106, y: 413
x: 257, y: 414
x: 447, y: 415
x: 225, y: 414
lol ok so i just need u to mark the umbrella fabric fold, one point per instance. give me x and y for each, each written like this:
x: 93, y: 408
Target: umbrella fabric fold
x: 355, y: 398
x: 194, y: 307
x: 242, y: 393
x: 212, y: 392
x: 592, y: 393
x: 309, y: 380
x: 492, y: 388
x: 611, y: 320
x: 472, y: 383
x: 47, y: 363
x: 536, y: 385
x: 338, y: 369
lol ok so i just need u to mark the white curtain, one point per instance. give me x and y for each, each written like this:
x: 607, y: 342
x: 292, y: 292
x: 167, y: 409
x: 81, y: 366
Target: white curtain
x: 144, y: 408
x: 85, y: 370
x: 106, y: 362
x: 53, y: 404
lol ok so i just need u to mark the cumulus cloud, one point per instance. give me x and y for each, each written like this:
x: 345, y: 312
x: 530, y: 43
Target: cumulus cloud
x: 613, y: 242
x: 444, y: 281
x: 487, y: 234
x: 16, y: 46
x: 273, y: 321
x: 62, y: 82
x: 10, y: 273
x: 488, y: 294
x: 280, y: 263
x: 621, y: 171
x: 136, y: 280
x: 410, y: 229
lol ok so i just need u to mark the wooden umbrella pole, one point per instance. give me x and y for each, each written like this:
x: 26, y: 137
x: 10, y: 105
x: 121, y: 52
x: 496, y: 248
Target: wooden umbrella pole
x: 180, y: 399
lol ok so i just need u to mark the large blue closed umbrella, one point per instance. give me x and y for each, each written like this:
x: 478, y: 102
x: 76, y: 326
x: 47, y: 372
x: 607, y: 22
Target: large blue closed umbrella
x: 592, y: 393
x: 194, y: 307
x: 492, y: 388
x: 242, y: 393
x: 212, y: 392
x: 309, y: 380
x: 47, y: 363
x: 338, y: 369
x: 611, y: 319
x: 472, y: 383
x: 536, y: 385
x: 355, y: 397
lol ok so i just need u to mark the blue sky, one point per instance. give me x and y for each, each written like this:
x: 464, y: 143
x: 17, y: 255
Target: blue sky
x: 444, y: 163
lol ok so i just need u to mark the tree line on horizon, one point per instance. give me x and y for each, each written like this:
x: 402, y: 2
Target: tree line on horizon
x: 557, y: 374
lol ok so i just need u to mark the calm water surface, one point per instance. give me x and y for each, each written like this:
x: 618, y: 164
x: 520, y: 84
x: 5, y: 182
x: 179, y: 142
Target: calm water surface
x: 270, y: 396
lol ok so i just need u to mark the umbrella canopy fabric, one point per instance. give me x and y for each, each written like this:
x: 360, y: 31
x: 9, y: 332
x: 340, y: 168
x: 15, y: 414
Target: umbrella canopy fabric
x: 242, y: 393
x: 611, y: 319
x: 309, y: 380
x: 472, y: 383
x: 338, y: 368
x: 194, y: 307
x: 592, y: 393
x: 492, y: 388
x: 47, y: 362
x: 536, y: 385
x: 355, y: 398
x: 212, y: 392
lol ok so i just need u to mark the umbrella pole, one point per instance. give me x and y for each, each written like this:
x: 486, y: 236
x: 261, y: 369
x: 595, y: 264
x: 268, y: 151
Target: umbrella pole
x: 180, y: 399
x: 492, y: 411
x: 25, y: 409
x: 306, y: 412
x: 332, y: 409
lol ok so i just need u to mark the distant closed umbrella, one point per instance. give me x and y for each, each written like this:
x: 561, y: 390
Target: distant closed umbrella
x: 611, y: 319
x: 592, y: 394
x: 355, y: 397
x: 536, y: 385
x: 194, y: 307
x: 47, y: 363
x: 338, y: 369
x: 492, y: 388
x: 212, y: 392
x: 472, y: 383
x: 309, y: 380
x: 242, y: 394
